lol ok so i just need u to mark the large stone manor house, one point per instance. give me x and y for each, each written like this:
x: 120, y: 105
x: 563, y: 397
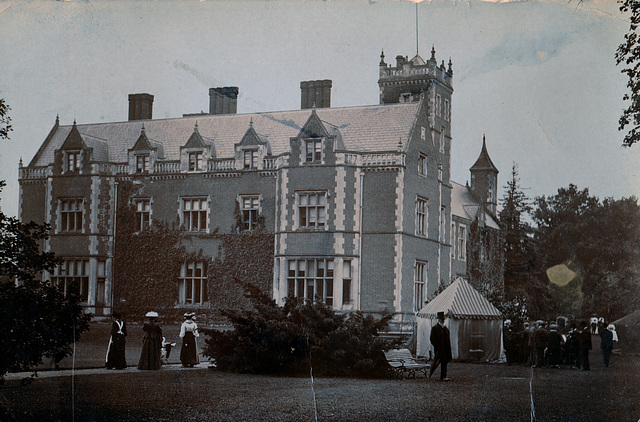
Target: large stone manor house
x: 360, y: 200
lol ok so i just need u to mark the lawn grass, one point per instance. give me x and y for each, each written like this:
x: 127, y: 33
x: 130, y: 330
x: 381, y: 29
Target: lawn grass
x: 91, y: 349
x: 478, y: 392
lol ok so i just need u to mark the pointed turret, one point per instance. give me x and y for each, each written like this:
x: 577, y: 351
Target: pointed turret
x: 484, y: 179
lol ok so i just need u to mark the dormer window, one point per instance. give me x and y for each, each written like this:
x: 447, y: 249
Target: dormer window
x: 250, y: 159
x: 314, y: 151
x: 195, y: 161
x: 144, y: 155
x: 142, y: 163
x: 72, y: 161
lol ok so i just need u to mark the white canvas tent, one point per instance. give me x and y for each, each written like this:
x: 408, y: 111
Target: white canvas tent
x: 475, y: 324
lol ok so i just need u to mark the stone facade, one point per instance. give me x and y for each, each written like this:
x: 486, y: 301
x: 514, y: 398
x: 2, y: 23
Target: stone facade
x: 359, y: 199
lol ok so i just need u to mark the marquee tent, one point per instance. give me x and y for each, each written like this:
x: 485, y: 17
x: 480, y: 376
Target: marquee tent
x: 475, y: 324
x: 628, y: 329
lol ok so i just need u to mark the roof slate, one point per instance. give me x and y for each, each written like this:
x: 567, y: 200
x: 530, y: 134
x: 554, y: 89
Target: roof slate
x: 465, y: 205
x: 361, y: 128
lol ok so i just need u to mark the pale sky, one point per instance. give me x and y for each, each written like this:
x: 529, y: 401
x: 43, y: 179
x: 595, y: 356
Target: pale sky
x: 538, y: 78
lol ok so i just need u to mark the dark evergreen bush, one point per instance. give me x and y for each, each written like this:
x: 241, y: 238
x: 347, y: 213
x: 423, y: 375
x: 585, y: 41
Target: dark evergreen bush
x: 297, y: 337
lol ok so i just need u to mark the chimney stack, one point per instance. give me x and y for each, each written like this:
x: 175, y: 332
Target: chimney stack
x: 315, y: 94
x: 223, y: 100
x: 140, y: 106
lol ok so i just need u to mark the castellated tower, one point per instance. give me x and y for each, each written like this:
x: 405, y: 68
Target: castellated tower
x: 410, y: 80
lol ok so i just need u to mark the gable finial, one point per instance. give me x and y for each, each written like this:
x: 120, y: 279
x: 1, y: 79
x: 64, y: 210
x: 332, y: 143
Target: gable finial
x: 142, y: 129
x: 195, y: 127
x: 74, y: 121
x: 57, y: 118
x: 251, y: 122
x: 433, y: 52
x: 20, y: 164
x: 450, y: 64
x: 400, y: 144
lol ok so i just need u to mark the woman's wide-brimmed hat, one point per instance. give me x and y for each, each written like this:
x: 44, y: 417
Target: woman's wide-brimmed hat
x: 152, y: 314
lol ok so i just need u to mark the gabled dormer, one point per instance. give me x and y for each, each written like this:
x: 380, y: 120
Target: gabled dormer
x: 144, y: 154
x: 251, y: 150
x: 73, y: 152
x: 196, y: 152
x: 315, y: 143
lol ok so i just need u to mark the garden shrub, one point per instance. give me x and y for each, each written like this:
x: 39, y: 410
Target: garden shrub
x: 291, y: 339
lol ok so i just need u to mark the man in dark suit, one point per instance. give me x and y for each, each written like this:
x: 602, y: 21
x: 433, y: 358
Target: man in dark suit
x: 442, y: 346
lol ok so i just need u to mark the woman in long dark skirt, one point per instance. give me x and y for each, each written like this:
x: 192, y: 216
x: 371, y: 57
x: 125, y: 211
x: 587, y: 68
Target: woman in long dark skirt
x: 189, y: 333
x: 152, y: 343
x: 116, y: 350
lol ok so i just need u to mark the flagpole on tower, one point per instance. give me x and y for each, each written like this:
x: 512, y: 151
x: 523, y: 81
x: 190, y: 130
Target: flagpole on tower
x: 417, y: 52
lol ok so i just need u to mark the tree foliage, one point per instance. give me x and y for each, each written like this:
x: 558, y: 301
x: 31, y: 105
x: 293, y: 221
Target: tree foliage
x: 291, y: 339
x: 36, y: 318
x: 5, y: 120
x: 485, y: 259
x: 628, y: 56
x: 597, y: 240
x: 147, y: 263
x: 521, y: 275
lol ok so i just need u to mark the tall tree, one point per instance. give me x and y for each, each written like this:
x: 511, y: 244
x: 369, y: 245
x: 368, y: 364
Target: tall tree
x: 36, y: 318
x: 597, y: 242
x: 520, y: 264
x: 628, y: 55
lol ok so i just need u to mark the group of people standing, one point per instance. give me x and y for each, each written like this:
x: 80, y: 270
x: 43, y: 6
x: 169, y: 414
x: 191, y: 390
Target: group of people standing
x: 152, y: 343
x: 542, y: 344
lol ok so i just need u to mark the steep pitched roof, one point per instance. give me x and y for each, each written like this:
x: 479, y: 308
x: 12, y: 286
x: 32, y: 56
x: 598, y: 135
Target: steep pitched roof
x: 362, y: 128
x: 100, y: 147
x: 196, y: 140
x: 73, y: 140
x: 484, y: 161
x: 461, y: 301
x: 465, y: 205
x: 144, y: 144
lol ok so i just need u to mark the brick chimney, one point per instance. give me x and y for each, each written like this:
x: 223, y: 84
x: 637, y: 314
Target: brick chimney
x: 223, y: 100
x: 315, y: 94
x: 140, y: 106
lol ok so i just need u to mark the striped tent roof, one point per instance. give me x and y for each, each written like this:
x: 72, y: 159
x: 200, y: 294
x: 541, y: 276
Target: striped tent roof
x: 461, y: 301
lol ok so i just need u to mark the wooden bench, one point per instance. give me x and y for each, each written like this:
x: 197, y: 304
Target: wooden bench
x: 403, y: 364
